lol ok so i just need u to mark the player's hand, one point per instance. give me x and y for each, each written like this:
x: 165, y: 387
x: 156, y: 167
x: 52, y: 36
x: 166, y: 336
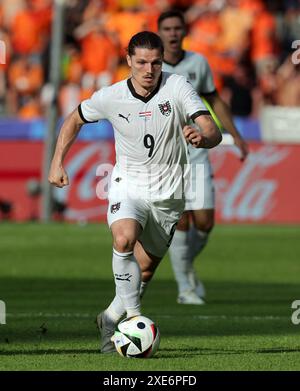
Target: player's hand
x: 58, y: 176
x: 242, y: 146
x: 193, y: 136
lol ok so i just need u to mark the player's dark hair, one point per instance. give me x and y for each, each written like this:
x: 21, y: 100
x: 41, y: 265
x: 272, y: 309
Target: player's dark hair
x: 170, y: 14
x: 145, y: 40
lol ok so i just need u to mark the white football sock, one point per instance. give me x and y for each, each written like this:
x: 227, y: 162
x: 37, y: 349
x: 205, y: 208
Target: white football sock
x: 143, y: 288
x: 197, y: 241
x: 128, y: 281
x: 180, y: 259
x: 115, y: 310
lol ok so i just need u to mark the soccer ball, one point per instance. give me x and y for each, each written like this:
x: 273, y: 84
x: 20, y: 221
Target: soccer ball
x: 136, y: 337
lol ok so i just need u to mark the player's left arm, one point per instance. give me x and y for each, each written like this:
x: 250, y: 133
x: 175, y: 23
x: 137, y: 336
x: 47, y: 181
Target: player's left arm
x: 209, y: 136
x: 224, y: 114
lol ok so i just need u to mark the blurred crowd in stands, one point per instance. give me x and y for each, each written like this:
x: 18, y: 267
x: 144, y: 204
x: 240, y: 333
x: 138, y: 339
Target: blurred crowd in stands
x: 248, y: 44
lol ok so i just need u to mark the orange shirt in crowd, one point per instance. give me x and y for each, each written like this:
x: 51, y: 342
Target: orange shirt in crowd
x: 236, y: 25
x: 96, y: 8
x: 204, y: 35
x: 204, y: 39
x: 86, y: 93
x: 30, y: 110
x: 24, y: 77
x: 98, y: 53
x: 74, y: 70
x: 25, y: 35
x: 126, y: 24
x: 43, y: 18
x: 9, y: 10
x: 153, y: 8
x: 40, y: 4
x: 253, y: 6
x: 122, y: 72
x: 264, y: 42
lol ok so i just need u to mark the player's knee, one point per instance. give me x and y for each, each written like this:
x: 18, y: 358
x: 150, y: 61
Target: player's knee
x: 183, y: 223
x: 123, y: 243
x: 205, y: 225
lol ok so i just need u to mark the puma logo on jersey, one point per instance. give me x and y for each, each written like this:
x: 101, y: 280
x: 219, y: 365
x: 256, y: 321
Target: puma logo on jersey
x: 123, y: 116
x: 165, y: 108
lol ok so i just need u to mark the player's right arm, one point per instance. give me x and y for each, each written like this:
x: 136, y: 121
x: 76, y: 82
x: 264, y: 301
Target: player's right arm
x: 208, y: 137
x: 67, y: 135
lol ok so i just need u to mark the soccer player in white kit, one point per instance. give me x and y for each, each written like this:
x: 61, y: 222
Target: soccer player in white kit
x: 190, y: 239
x: 148, y: 112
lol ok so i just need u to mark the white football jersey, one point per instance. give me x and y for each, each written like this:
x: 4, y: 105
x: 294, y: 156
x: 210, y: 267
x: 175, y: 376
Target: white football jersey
x: 197, y: 71
x: 150, y: 147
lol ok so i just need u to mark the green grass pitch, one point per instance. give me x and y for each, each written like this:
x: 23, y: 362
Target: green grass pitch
x: 56, y: 278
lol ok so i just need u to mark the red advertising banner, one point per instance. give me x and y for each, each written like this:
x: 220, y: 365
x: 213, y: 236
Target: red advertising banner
x: 263, y: 189
x: 21, y: 166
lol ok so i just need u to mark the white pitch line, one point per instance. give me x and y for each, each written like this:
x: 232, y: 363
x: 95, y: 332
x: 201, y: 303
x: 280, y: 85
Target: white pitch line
x: 166, y: 316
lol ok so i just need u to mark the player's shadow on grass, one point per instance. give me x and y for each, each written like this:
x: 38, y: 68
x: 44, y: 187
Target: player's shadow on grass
x: 190, y: 351
x: 53, y: 351
x: 162, y: 354
x: 68, y: 308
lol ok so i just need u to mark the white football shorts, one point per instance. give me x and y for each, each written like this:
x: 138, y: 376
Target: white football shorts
x: 157, y: 218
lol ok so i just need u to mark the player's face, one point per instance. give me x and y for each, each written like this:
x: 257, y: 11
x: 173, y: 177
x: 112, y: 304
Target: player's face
x: 145, y: 67
x: 172, y: 32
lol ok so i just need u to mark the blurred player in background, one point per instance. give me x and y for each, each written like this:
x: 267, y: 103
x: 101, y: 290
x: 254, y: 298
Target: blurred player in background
x: 149, y: 112
x: 190, y: 239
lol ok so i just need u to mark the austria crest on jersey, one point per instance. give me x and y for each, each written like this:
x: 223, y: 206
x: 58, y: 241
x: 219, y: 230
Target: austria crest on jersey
x: 165, y: 108
x: 115, y: 207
